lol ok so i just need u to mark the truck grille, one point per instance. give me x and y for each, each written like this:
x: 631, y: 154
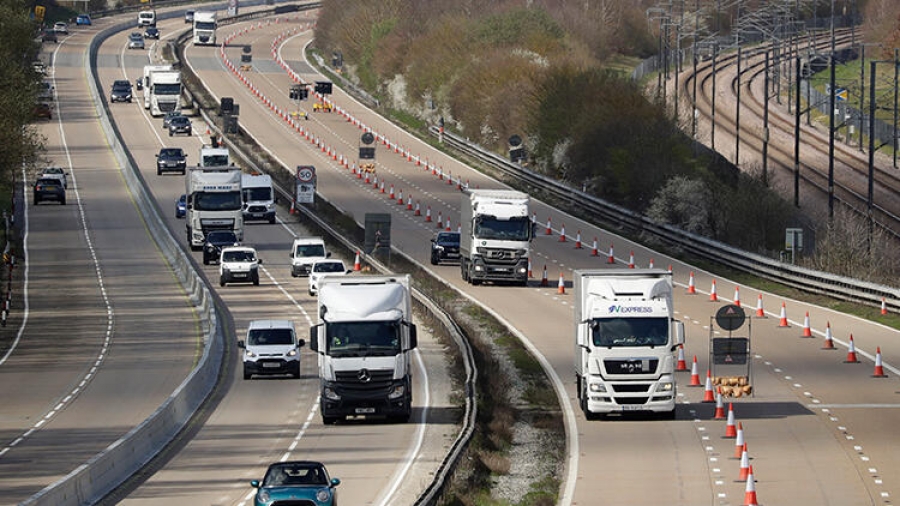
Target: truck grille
x: 364, y: 379
x: 631, y: 387
x: 631, y: 366
x: 167, y: 106
x: 499, y: 255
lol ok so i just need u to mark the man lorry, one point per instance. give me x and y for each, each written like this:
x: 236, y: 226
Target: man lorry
x: 205, y: 25
x: 364, y: 340
x: 162, y: 89
x: 495, y: 237
x: 259, y: 197
x: 213, y: 202
x: 625, y: 336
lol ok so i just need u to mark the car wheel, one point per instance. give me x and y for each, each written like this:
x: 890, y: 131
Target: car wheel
x: 256, y: 281
x: 221, y: 280
x: 183, y: 171
x: 170, y: 133
x: 36, y: 201
x: 296, y: 372
x: 63, y: 201
x: 311, y: 293
x: 158, y: 172
x: 247, y: 373
x: 434, y: 260
x: 272, y: 220
x: 205, y: 260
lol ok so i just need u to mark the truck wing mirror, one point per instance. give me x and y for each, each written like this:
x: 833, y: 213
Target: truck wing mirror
x: 313, y: 338
x: 413, y: 336
x: 241, y: 344
x: 679, y: 335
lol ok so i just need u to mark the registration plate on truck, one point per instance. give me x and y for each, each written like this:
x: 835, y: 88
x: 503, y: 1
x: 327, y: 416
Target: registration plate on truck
x: 364, y: 411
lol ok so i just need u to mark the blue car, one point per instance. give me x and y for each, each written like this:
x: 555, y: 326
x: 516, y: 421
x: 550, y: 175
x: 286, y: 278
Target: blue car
x: 181, y: 207
x: 296, y: 482
x: 83, y: 19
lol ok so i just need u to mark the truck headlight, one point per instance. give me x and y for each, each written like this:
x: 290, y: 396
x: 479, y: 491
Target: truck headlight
x: 479, y: 267
x: 396, y: 392
x: 666, y: 386
x: 323, y: 495
x: 330, y: 394
x: 598, y: 387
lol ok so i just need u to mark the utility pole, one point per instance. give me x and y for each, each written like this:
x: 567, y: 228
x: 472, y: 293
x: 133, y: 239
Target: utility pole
x: 831, y: 98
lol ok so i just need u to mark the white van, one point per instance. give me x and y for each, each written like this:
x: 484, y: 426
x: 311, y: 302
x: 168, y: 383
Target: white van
x: 147, y: 18
x: 271, y: 347
x: 306, y: 251
x: 259, y: 197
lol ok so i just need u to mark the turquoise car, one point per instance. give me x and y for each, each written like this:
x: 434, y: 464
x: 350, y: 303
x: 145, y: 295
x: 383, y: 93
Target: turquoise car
x: 296, y: 482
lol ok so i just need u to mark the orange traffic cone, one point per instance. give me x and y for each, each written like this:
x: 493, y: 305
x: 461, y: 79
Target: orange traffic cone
x: 356, y: 265
x: 745, y: 463
x: 447, y: 228
x: 739, y: 441
x: 691, y: 288
x: 883, y: 306
x: 440, y: 221
x: 544, y: 281
x: 750, y: 490
x: 730, y: 430
x: 561, y: 287
x: 681, y: 365
x: 783, y: 322
x: 594, y: 251
x: 712, y: 292
x: 851, y: 353
x: 293, y: 210
x: 391, y: 195
x: 428, y: 214
x: 720, y: 407
x: 695, y: 375
x: 631, y: 260
x: 807, y: 332
x: 651, y: 263
x: 610, y: 259
x: 549, y: 228
x: 562, y: 233
x: 578, y: 240
x: 737, y: 296
x: 418, y: 211
x: 708, y: 392
x: 759, y: 307
x: 879, y: 367
x: 829, y: 342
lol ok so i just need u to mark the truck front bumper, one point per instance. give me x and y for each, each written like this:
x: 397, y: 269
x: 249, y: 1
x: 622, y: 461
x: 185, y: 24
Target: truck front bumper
x: 620, y: 397
x: 483, y: 271
x: 394, y: 401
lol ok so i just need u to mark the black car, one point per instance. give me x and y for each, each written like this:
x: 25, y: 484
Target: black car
x: 121, y: 91
x: 49, y: 189
x: 151, y: 32
x: 49, y: 35
x: 444, y: 246
x: 179, y: 125
x: 215, y: 241
x: 171, y: 159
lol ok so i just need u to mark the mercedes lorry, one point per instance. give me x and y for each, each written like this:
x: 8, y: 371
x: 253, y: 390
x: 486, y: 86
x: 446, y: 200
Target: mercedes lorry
x: 625, y: 336
x: 495, y: 236
x: 364, y: 338
x: 213, y: 196
x: 162, y: 89
x: 205, y: 24
x: 259, y: 197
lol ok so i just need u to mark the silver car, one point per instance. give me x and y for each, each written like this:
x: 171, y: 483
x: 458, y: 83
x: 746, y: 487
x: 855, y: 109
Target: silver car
x: 136, y: 41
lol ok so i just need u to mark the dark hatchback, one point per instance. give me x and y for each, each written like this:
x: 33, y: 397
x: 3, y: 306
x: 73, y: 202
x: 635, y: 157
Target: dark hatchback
x: 49, y: 189
x: 121, y: 91
x: 215, y: 241
x: 171, y: 159
x: 444, y: 246
x: 179, y: 125
x: 151, y: 32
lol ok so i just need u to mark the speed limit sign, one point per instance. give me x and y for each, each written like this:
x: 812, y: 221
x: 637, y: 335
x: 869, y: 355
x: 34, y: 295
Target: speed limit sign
x: 305, y: 191
x: 306, y: 173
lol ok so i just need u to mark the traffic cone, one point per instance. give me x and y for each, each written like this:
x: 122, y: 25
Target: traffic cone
x: 730, y: 429
x: 428, y: 214
x: 391, y: 195
x: 708, y: 395
x: 879, y: 367
x: 375, y: 182
x: 400, y: 198
x: 562, y: 233
x: 549, y: 228
x: 720, y: 407
x: 293, y: 210
x: 737, y: 296
x: 750, y: 490
x: 829, y: 342
x: 440, y: 220
x: 578, y: 240
x: 712, y: 292
x: 745, y: 463
x: 381, y: 187
x: 544, y: 277
x: 807, y: 332
x: 409, y: 206
x: 883, y: 307
x: 418, y: 211
x: 695, y: 375
x: 594, y: 251
x: 356, y: 265
x: 681, y: 365
x: 651, y: 263
x: 851, y: 353
x: 739, y: 441
x: 759, y: 307
x: 783, y: 319
x: 561, y: 286
x: 611, y: 259
x: 631, y: 260
x: 530, y: 274
x: 692, y: 290
x: 447, y: 228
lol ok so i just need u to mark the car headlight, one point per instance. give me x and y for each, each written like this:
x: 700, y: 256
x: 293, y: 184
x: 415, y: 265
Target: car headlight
x: 263, y: 496
x: 292, y: 353
x: 323, y: 494
x: 250, y: 354
x: 396, y: 392
x: 598, y: 387
x: 331, y: 394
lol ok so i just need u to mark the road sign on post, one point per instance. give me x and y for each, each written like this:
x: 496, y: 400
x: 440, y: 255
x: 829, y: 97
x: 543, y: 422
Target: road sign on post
x: 305, y: 191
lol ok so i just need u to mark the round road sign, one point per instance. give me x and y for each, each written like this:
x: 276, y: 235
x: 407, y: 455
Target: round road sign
x: 730, y: 317
x: 306, y: 174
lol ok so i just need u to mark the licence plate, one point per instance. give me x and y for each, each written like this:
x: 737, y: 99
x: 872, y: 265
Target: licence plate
x: 271, y: 365
x: 240, y: 275
x: 256, y: 215
x: 364, y: 411
x: 632, y: 407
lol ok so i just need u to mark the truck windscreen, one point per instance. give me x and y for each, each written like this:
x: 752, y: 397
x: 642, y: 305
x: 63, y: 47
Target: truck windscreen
x: 167, y: 89
x: 361, y: 339
x: 225, y: 201
x: 626, y: 332
x: 514, y: 229
x: 205, y: 25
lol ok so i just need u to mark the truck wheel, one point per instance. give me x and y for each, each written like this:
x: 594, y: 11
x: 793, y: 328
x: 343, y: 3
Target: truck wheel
x: 463, y: 270
x: 587, y: 414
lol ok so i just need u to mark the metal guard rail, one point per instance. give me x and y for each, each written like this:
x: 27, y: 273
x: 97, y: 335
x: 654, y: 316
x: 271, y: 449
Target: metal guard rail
x: 809, y: 280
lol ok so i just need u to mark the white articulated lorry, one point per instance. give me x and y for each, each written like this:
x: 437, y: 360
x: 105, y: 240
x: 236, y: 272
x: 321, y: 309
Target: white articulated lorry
x: 625, y: 336
x: 213, y: 202
x: 162, y: 89
x: 205, y: 24
x: 364, y: 340
x: 495, y: 236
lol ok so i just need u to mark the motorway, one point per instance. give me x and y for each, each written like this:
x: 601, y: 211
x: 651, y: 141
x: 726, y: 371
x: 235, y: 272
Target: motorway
x: 818, y: 430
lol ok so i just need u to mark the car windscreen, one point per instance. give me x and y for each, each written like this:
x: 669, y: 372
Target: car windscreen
x: 263, y: 337
x: 310, y: 250
x: 238, y: 256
